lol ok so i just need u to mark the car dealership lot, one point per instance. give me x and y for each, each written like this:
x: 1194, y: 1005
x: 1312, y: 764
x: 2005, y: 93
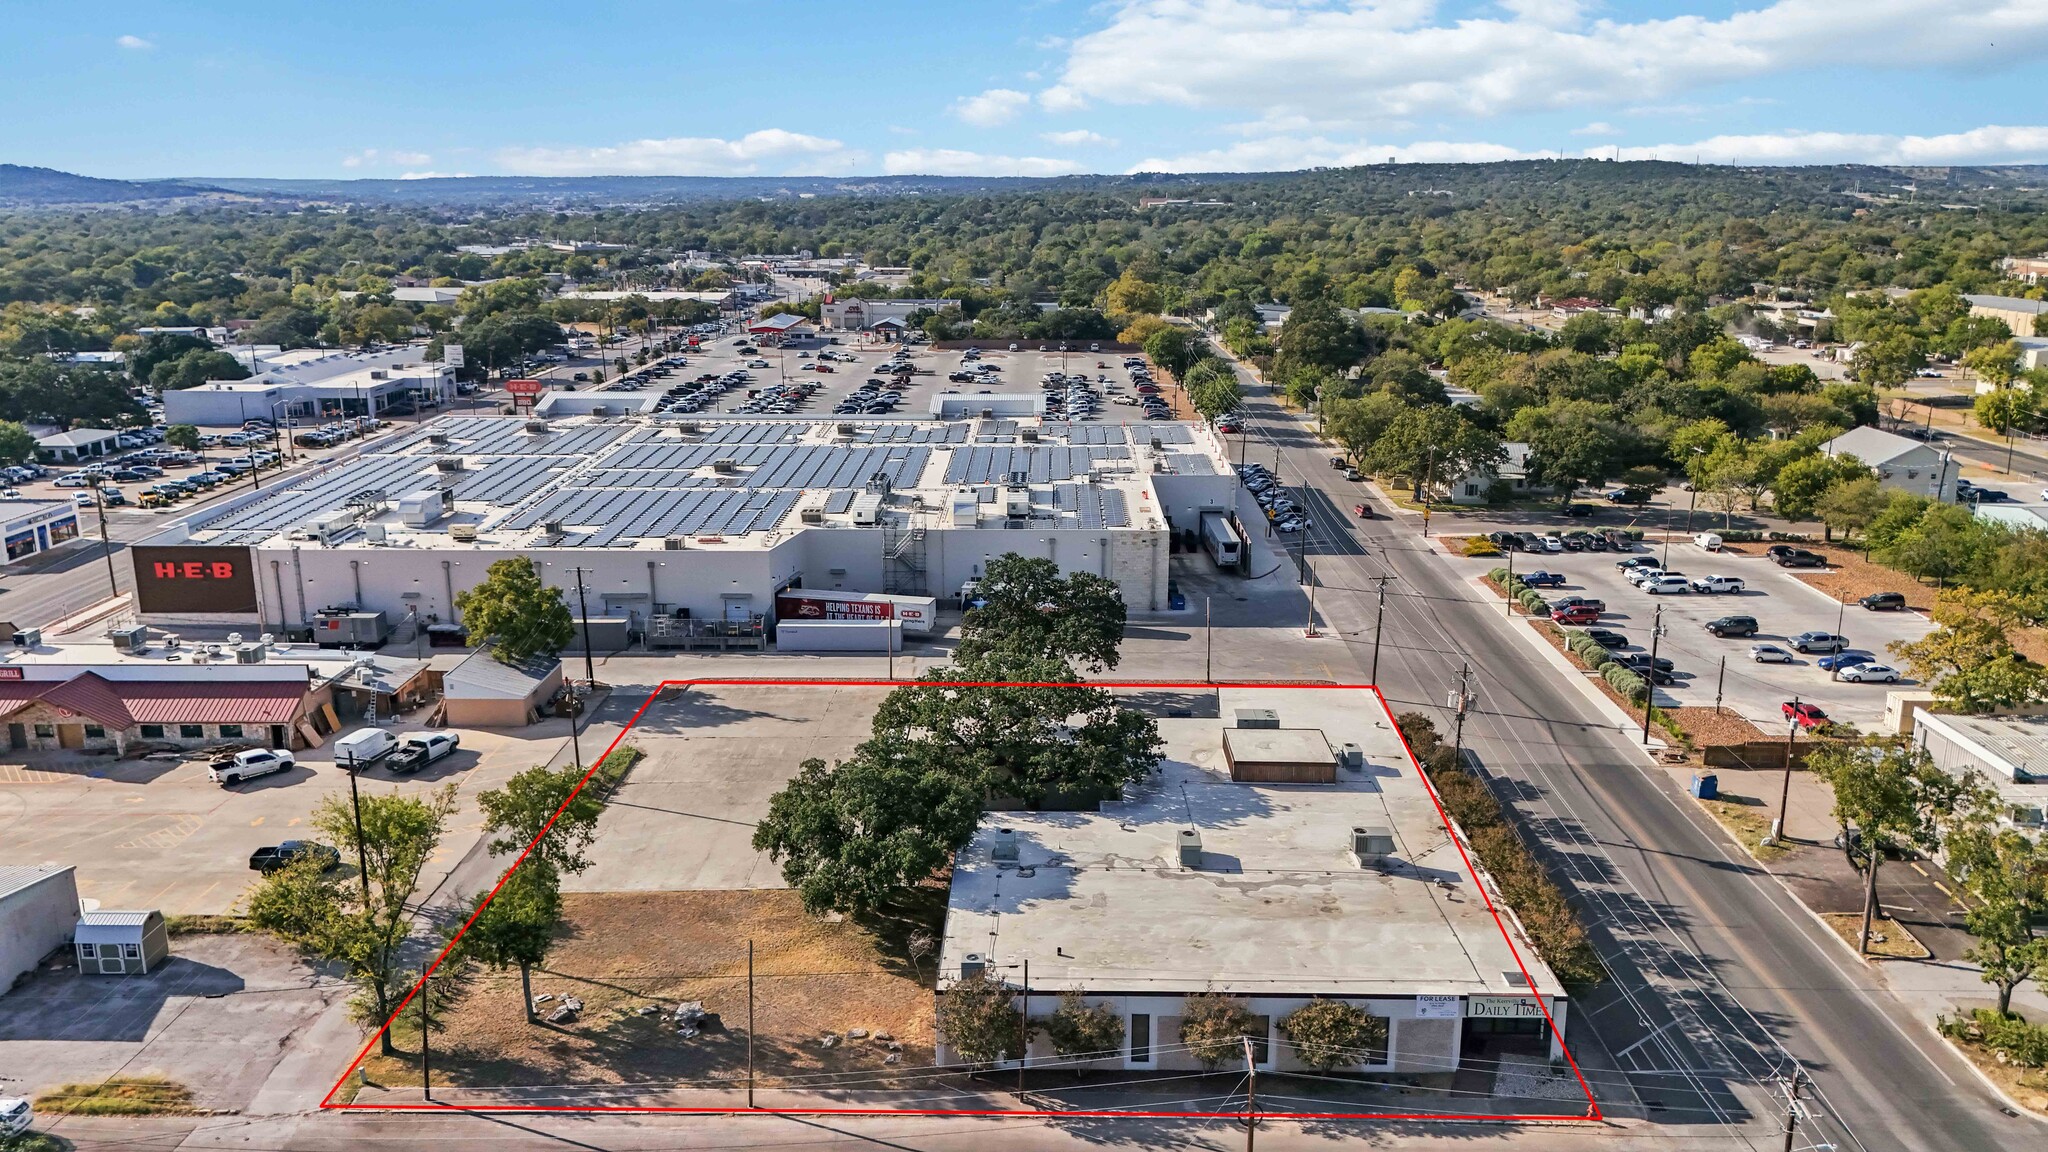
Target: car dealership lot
x: 1783, y: 606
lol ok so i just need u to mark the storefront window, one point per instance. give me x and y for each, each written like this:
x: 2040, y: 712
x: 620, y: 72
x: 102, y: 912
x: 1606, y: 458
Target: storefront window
x: 228, y: 731
x: 21, y: 544
x: 192, y: 731
x: 62, y: 530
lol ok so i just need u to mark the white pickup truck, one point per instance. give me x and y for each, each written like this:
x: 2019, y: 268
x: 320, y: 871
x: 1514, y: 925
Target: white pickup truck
x: 1716, y: 584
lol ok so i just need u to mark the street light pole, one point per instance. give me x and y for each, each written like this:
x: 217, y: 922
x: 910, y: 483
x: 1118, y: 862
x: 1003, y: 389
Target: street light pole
x: 1650, y: 673
x: 1777, y: 832
x: 1378, y: 625
x: 99, y: 503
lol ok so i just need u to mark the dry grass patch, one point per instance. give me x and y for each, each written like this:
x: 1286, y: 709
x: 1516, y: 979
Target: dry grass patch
x: 1889, y: 939
x: 1747, y: 818
x: 1850, y: 576
x: 1706, y: 726
x: 624, y: 954
x: 119, y: 1096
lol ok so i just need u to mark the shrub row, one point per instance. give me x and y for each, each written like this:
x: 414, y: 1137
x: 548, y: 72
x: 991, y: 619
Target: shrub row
x: 1480, y: 546
x: 2012, y: 1037
x: 1632, y: 685
x: 1552, y: 923
x: 1752, y: 536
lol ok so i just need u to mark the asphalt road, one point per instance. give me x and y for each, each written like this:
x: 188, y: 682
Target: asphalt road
x: 1721, y: 982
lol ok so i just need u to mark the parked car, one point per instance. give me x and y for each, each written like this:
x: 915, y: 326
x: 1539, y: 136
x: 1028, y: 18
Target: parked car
x: 249, y: 765
x: 1811, y: 642
x: 1553, y: 543
x: 1727, y: 627
x: 15, y: 1116
x: 363, y: 747
x: 1804, y: 714
x: 1844, y: 660
x: 1635, y: 562
x: 1871, y: 674
x: 1607, y: 639
x: 1716, y: 584
x: 1641, y: 660
x: 1884, y: 602
x: 1577, y: 511
x: 1577, y: 601
x: 416, y: 752
x: 1769, y: 654
x: 1577, y: 614
x: 1542, y: 579
x: 279, y: 855
x: 1670, y: 584
x: 1801, y: 558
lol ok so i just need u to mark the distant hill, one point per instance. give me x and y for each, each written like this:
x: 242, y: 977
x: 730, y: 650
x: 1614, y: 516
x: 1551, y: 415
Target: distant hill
x: 542, y: 191
x: 46, y: 187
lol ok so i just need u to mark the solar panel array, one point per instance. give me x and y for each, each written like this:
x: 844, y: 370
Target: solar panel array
x: 1092, y: 507
x: 506, y: 480
x: 782, y: 466
x: 980, y: 465
x: 295, y: 504
x: 624, y: 516
x: 951, y: 432
x: 507, y: 436
x: 1083, y: 433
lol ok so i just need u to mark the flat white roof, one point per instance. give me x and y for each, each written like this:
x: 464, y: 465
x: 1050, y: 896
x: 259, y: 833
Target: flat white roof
x: 1279, y: 905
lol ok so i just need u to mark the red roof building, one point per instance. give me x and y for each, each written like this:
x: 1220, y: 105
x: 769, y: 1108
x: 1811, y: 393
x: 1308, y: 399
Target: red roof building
x: 88, y: 711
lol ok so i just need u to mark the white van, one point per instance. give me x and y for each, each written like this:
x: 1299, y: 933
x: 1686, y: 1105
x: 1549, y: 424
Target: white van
x: 362, y: 748
x: 1709, y: 541
x: 15, y: 1115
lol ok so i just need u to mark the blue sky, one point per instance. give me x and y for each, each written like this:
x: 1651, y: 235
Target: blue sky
x: 1037, y: 87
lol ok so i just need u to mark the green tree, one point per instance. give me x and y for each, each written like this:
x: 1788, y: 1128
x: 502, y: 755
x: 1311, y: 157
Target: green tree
x: 1329, y: 1034
x: 1995, y: 364
x: 157, y: 348
x: 1801, y: 484
x: 979, y: 1019
x: 543, y: 800
x: 1213, y: 1026
x: 1849, y: 506
x: 1971, y: 667
x: 329, y: 918
x: 182, y: 436
x: 1212, y: 388
x: 1571, y: 443
x: 1174, y: 348
x: 195, y: 368
x: 1359, y: 423
x: 17, y: 443
x: 1078, y: 1028
x: 2004, y: 873
x: 1132, y: 295
x: 1888, y: 360
x: 1429, y: 444
x: 2007, y: 409
x: 1317, y: 335
x: 1029, y: 607
x: 1893, y: 795
x: 1942, y: 543
x: 520, y: 616
x: 516, y: 928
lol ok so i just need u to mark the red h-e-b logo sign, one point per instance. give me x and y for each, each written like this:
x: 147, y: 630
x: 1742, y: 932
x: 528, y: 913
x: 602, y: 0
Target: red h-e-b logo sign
x: 193, y: 570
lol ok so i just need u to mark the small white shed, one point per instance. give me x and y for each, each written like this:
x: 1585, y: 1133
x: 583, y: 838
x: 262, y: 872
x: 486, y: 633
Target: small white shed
x: 120, y: 943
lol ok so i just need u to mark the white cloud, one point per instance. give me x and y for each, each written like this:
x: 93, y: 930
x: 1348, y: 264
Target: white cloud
x: 1288, y: 153
x: 1597, y: 128
x: 783, y: 152
x: 1991, y: 144
x: 991, y: 108
x: 1404, y: 58
x: 1078, y: 138
x: 953, y: 162
x: 377, y: 158
x: 134, y: 43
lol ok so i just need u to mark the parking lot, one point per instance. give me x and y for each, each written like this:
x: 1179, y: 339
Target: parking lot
x: 1783, y: 606
x: 158, y: 834
x: 684, y: 818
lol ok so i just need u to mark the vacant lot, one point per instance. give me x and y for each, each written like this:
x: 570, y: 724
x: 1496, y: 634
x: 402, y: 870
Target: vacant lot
x: 624, y: 953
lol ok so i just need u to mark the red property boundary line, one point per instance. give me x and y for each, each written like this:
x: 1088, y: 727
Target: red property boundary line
x: 1592, y: 1106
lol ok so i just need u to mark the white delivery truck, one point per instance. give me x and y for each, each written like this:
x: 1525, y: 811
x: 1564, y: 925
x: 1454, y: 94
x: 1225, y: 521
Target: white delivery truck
x: 362, y: 748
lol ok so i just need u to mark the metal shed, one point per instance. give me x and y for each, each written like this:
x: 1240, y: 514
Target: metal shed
x: 120, y: 943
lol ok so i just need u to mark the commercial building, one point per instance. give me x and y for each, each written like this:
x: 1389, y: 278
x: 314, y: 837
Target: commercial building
x: 32, y: 526
x: 485, y: 692
x: 1900, y: 463
x: 76, y: 446
x: 111, y: 706
x: 856, y: 315
x: 1272, y: 891
x: 698, y: 519
x: 781, y: 326
x: 311, y: 385
x: 2021, y: 315
x: 38, y: 907
x: 2010, y: 753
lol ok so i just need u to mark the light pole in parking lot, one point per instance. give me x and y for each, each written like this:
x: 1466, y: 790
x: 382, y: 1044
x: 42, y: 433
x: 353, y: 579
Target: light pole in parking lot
x: 1650, y: 673
x: 1841, y: 606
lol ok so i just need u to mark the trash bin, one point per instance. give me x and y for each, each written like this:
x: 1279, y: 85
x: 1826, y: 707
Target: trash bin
x: 1705, y: 786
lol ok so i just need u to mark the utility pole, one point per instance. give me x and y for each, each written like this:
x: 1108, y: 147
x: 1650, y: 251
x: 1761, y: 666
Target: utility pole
x: 99, y: 503
x: 426, y: 1031
x: 1378, y: 626
x: 1251, y: 1096
x: 1785, y: 792
x: 1024, y: 1026
x: 583, y: 607
x: 1650, y: 673
x: 1428, y: 478
x: 750, y: 1023
x: 1507, y: 590
x: 1459, y: 703
x: 1720, y: 678
x: 1208, y: 641
x: 1310, y: 631
x: 1792, y: 1108
x: 1841, y: 607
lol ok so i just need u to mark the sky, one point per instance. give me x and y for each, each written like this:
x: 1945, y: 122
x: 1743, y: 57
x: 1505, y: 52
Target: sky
x: 380, y: 88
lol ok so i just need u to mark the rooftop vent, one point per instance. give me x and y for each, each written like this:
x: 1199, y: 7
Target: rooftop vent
x: 1190, y: 848
x: 437, y: 437
x: 1156, y: 445
x: 553, y: 528
x: 537, y: 427
x: 1371, y: 845
x: 1028, y: 435
x: 973, y: 965
x: 725, y: 465
x: 447, y: 463
x: 1257, y: 718
x: 1351, y: 756
x: 1004, y: 846
x: 462, y: 532
x: 675, y: 543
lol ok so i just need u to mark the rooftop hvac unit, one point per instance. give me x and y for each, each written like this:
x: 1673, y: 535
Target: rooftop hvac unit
x: 988, y: 413
x: 689, y: 426
x: 249, y: 654
x: 437, y: 437
x: 600, y: 410
x: 878, y: 482
x: 1017, y: 502
x: 374, y: 533
x: 462, y: 533
x: 553, y: 528
x: 675, y: 543
x: 1005, y: 845
x: 1017, y: 479
x: 845, y: 430
x: 813, y: 515
x: 1351, y: 756
x: 537, y: 427
x: 973, y: 965
x: 725, y: 465
x: 379, y: 374
x: 129, y: 638
x: 1156, y: 445
x: 1372, y: 845
x: 1190, y: 848
x: 1028, y: 435
x: 1257, y: 718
